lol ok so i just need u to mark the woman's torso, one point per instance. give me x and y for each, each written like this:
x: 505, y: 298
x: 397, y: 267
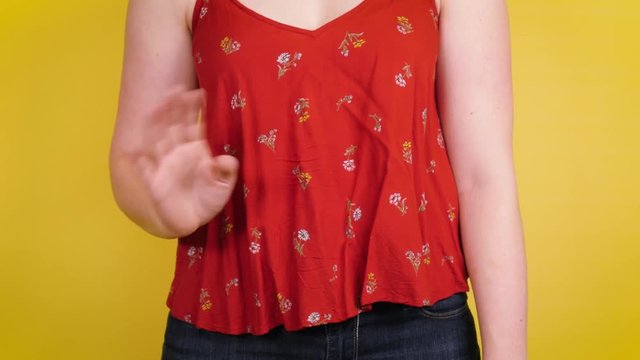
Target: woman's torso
x: 345, y: 194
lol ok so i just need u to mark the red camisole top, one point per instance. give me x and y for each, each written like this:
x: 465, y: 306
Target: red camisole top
x: 345, y: 194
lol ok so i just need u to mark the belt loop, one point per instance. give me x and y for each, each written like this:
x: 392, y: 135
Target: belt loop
x: 355, y: 337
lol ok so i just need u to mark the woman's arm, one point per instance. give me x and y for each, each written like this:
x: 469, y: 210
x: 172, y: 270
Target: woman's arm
x: 476, y: 110
x: 163, y: 174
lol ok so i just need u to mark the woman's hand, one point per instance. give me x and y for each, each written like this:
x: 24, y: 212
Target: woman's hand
x: 187, y: 185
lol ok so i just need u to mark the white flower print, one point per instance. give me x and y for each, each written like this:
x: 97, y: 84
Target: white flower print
x: 399, y: 202
x: 187, y: 318
x: 352, y: 215
x: 283, y: 58
x: 446, y: 258
x: 334, y: 268
x: 378, y: 125
x: 349, y: 165
x: 303, y: 235
x: 419, y: 257
x: 401, y: 78
x: 353, y: 39
x: 301, y: 108
x: 314, y: 317
x: 194, y: 254
x: 451, y: 213
x: 257, y: 300
x: 404, y: 26
x: 283, y: 303
x: 203, y: 11
x: 440, y: 139
x: 432, y: 167
x: 299, y: 238
x: 270, y: 140
x: 237, y: 101
x: 229, y: 45
x: 371, y: 285
x: 357, y: 214
x: 254, y: 247
x: 345, y: 99
x: 286, y: 62
x: 232, y: 282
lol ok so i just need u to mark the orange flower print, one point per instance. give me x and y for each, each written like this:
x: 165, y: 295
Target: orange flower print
x: 286, y: 61
x: 227, y: 226
x: 301, y: 108
x: 419, y: 257
x: 303, y: 177
x: 300, y: 237
x: 401, y: 78
x: 345, y: 99
x: 349, y: 164
x: 451, y: 213
x: 316, y: 319
x: 256, y: 234
x: 269, y: 140
x: 353, y: 214
x: 432, y: 167
x: 378, y: 125
x: 399, y: 202
x: 406, y: 152
x: 350, y: 39
x: 334, y: 268
x: 229, y: 45
x: 424, y: 120
x: 237, y: 101
x: 423, y: 203
x: 446, y: 258
x: 205, y: 299
x: 371, y: 285
x: 404, y: 26
x: 440, y: 139
x: 232, y: 282
x: 283, y: 303
x: 194, y: 254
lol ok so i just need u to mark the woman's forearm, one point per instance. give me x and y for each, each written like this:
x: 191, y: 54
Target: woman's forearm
x: 494, y: 251
x: 132, y: 196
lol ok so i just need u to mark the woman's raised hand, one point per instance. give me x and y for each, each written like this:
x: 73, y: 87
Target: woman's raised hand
x: 187, y: 184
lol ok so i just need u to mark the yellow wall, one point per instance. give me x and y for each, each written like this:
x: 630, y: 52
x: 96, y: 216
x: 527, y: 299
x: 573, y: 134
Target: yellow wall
x: 79, y: 281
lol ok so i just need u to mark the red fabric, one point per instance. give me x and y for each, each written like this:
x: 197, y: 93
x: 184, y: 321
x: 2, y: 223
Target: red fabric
x: 345, y: 194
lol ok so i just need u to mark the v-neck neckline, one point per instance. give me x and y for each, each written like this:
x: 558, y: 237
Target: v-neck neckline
x: 309, y: 32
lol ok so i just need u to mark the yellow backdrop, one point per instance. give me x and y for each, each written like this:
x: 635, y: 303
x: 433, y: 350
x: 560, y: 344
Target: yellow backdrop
x: 80, y: 281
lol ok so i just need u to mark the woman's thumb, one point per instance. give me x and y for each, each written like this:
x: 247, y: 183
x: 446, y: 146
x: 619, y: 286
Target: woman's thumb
x: 225, y: 168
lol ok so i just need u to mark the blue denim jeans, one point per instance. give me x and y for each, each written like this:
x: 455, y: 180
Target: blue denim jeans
x: 442, y: 331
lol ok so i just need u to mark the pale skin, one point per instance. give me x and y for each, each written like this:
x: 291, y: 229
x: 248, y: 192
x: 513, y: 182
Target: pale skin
x: 165, y: 179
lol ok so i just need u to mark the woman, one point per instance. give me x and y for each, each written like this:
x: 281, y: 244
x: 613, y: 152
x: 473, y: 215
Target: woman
x: 315, y: 207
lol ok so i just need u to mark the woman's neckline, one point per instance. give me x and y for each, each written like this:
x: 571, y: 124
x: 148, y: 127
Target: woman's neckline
x: 292, y: 28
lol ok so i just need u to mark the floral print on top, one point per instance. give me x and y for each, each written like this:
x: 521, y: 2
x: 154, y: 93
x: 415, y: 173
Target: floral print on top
x: 345, y: 193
